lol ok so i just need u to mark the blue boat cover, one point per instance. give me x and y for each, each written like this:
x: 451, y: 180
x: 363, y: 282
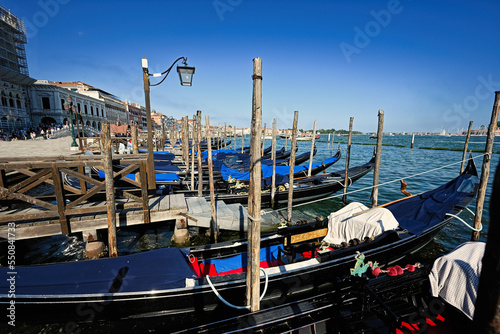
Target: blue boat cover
x: 159, y: 177
x: 160, y: 269
x: 240, y: 260
x: 166, y: 166
x: 160, y: 155
x: 424, y: 211
x: 267, y: 171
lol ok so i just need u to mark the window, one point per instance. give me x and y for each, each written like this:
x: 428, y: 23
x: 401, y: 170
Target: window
x: 92, y: 110
x: 85, y: 108
x: 97, y: 111
x: 79, y: 108
x: 46, y: 103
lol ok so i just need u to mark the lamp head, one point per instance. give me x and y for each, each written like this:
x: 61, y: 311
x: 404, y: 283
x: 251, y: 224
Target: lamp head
x: 185, y: 75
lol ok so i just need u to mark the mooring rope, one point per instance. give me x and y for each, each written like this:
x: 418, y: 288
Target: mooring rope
x: 465, y: 223
x: 246, y: 307
x: 371, y: 187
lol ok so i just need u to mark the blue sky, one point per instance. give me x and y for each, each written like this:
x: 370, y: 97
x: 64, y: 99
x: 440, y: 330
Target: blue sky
x: 428, y: 64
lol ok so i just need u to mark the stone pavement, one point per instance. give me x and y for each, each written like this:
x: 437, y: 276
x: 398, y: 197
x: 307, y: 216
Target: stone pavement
x: 40, y: 147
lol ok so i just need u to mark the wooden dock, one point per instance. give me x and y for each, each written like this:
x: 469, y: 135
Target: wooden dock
x: 162, y: 208
x: 231, y: 217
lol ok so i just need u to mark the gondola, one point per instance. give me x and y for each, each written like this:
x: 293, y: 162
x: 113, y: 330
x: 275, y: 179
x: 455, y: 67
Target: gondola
x: 177, y: 287
x: 305, y: 188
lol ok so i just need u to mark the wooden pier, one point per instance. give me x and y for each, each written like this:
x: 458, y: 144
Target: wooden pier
x: 161, y: 208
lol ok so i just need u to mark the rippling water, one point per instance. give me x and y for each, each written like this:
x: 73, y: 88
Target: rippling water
x: 396, y: 163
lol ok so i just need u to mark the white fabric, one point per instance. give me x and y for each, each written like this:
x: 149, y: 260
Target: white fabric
x: 455, y: 276
x: 344, y: 225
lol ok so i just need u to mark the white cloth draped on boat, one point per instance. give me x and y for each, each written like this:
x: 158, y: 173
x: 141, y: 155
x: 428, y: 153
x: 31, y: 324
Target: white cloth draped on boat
x: 455, y: 276
x: 345, y: 225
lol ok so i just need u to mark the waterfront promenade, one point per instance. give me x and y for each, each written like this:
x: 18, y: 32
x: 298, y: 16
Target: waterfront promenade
x: 40, y: 147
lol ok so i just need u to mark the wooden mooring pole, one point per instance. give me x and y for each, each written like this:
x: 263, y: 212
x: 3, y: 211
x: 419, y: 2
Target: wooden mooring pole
x: 331, y: 144
x: 194, y: 145
x: 487, y: 305
x: 242, y: 140
x: 135, y: 148
x: 110, y: 189
x: 485, y: 171
x: 347, y: 157
x: 292, y: 166
x: 311, y: 155
x: 466, y: 145
x: 412, y: 141
x: 378, y: 153
x: 253, y: 269
x: 263, y: 140
x: 198, y: 143
x: 273, y: 178
x: 213, y: 223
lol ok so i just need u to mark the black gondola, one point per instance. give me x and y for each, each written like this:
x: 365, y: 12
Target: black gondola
x: 171, y: 285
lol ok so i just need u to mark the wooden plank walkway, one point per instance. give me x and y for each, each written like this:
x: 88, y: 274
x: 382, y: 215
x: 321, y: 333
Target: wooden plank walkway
x: 161, y: 208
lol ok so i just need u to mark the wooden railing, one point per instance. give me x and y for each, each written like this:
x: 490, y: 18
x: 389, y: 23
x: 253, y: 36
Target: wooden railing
x: 19, y: 175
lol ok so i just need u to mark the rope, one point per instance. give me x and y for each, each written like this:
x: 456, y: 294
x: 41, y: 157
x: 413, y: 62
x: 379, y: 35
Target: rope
x: 247, y: 307
x: 371, y: 187
x: 463, y: 221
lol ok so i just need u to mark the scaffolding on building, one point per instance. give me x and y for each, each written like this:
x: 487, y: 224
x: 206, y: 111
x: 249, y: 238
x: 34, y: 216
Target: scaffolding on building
x: 12, y: 41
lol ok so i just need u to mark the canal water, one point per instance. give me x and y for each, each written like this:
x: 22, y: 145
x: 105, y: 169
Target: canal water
x: 422, y: 168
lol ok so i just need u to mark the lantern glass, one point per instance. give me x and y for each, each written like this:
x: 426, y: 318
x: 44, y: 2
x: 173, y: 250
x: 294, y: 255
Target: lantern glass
x: 185, y: 75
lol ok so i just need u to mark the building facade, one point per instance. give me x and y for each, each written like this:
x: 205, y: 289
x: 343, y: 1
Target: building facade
x: 48, y: 106
x: 134, y: 114
x: 14, y: 76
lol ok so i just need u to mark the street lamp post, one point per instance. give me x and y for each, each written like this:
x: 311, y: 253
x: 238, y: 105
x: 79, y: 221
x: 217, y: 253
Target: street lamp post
x: 68, y: 105
x: 186, y: 77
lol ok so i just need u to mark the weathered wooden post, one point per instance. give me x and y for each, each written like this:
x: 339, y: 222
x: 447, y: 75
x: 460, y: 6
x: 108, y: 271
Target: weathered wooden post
x: 225, y: 136
x: 263, y: 140
x: 135, y: 148
x: 110, y: 189
x: 487, y: 306
x: 163, y: 137
x: 185, y: 141
x: 194, y: 145
x: 464, y: 155
x: 348, y: 155
x: 331, y: 145
x: 200, y: 167
x: 273, y: 155
x: 485, y: 171
x: 412, y: 140
x: 253, y: 269
x: 312, y: 150
x: 292, y: 166
x: 213, y: 223
x: 378, y: 155
x: 242, y: 139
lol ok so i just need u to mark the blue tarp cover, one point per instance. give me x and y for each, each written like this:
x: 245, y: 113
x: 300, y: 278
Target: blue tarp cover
x: 159, y: 269
x: 421, y: 212
x: 240, y: 260
x: 267, y: 171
